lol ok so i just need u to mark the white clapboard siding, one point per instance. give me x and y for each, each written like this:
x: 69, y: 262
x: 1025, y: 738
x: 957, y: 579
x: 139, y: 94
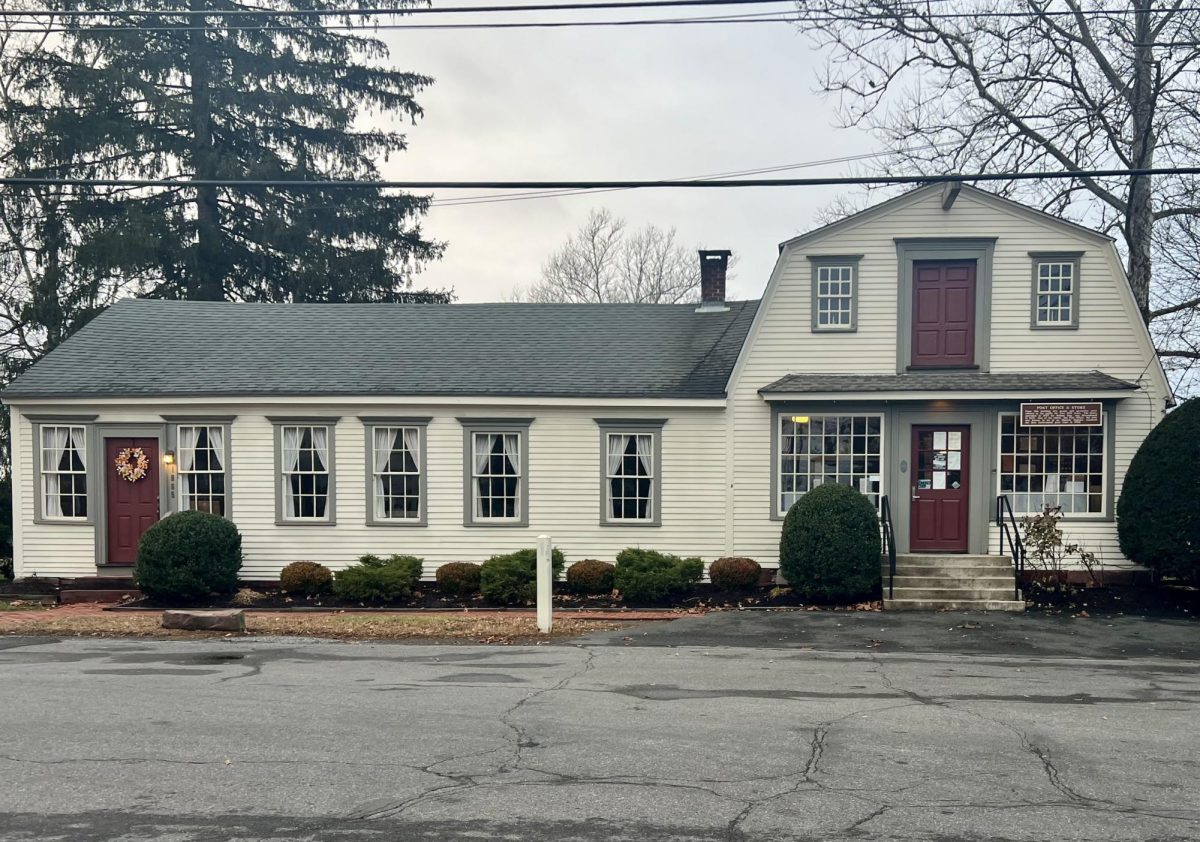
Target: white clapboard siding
x: 1110, y: 337
x: 563, y: 480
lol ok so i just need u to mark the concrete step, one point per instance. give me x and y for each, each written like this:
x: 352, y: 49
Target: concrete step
x: 939, y: 581
x: 899, y: 604
x: 955, y: 573
x: 951, y: 560
x: 969, y: 593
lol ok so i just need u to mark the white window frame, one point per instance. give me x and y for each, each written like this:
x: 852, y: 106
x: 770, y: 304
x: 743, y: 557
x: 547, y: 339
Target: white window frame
x: 181, y: 474
x: 777, y: 508
x: 1070, y: 261
x: 375, y: 509
x: 1106, y: 442
x: 495, y: 426
x: 44, y: 474
x: 624, y: 428
x: 283, y: 517
x: 518, y: 475
x: 824, y: 296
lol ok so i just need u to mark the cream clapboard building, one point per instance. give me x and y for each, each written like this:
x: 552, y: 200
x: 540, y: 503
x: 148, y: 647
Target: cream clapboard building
x: 947, y: 350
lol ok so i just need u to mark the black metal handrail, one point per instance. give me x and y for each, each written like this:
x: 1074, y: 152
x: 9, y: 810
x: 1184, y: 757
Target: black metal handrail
x: 1004, y: 519
x: 889, y: 541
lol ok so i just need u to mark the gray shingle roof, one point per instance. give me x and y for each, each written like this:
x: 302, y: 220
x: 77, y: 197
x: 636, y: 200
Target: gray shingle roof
x: 190, y: 348
x: 949, y: 381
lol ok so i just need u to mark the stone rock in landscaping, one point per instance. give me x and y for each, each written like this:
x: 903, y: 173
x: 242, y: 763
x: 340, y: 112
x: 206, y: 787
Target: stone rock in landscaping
x: 231, y: 619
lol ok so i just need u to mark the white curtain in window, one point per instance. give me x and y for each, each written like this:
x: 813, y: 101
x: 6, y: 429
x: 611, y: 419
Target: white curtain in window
x: 216, y: 441
x: 616, y: 449
x: 291, y: 463
x: 320, y: 439
x: 54, y: 448
x: 512, y: 452
x: 187, y: 461
x: 483, y: 449
x: 645, y: 459
x: 384, y: 442
x: 412, y: 443
x: 80, y: 441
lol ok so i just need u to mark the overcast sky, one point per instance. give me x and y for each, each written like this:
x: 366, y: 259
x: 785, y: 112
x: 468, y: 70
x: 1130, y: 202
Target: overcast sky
x: 611, y: 103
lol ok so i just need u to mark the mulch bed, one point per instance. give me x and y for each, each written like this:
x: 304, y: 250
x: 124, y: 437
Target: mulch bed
x: 1163, y: 601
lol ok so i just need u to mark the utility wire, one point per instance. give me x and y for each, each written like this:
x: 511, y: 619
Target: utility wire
x: 631, y: 184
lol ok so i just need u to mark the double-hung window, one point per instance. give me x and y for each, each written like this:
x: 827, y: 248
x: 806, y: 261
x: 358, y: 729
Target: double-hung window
x: 1055, y: 290
x: 306, y: 472
x: 202, y: 467
x: 819, y: 449
x: 395, y: 472
x: 631, y: 467
x: 835, y: 293
x: 64, y: 472
x: 497, y: 461
x: 1053, y: 466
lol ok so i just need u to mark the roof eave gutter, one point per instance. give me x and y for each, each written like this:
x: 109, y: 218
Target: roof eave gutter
x: 1038, y: 395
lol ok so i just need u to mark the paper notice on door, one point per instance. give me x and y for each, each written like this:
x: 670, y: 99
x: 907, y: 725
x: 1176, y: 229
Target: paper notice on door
x: 939, y: 440
x: 954, y: 460
x: 939, y: 480
x: 939, y: 461
x: 955, y: 441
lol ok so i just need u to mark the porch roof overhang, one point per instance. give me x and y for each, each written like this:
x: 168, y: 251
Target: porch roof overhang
x: 948, y: 385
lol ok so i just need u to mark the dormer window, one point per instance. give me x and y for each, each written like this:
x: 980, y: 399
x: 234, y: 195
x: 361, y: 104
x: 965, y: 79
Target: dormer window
x: 1055, y: 290
x: 835, y: 293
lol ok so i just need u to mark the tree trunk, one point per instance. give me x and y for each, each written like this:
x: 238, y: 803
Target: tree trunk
x: 208, y: 277
x: 1140, y: 221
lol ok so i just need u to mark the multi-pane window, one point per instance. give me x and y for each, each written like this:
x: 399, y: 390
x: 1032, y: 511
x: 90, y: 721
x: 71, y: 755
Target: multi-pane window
x: 834, y: 298
x: 64, y: 471
x: 1055, y: 293
x: 629, y: 475
x: 201, y: 466
x: 819, y: 449
x: 396, y: 471
x: 1052, y: 466
x: 496, y: 476
x: 306, y: 478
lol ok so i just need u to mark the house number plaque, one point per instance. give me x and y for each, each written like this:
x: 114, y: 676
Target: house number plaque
x: 1090, y: 414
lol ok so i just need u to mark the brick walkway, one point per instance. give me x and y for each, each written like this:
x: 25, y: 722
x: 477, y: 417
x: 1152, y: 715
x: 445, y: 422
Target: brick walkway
x: 13, y: 618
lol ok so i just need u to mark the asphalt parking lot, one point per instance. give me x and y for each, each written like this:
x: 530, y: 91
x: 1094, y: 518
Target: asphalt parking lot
x: 732, y: 726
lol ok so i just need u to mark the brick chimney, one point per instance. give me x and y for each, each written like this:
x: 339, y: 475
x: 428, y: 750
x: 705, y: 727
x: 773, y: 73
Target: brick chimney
x: 712, y: 279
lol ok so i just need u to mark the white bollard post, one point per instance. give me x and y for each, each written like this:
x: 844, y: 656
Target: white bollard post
x: 545, y: 577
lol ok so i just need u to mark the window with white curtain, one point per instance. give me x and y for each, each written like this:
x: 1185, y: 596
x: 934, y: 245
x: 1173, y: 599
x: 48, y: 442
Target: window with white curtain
x: 305, y: 461
x: 64, y: 472
x: 630, y: 476
x: 201, y: 466
x: 496, y: 476
x: 396, y: 473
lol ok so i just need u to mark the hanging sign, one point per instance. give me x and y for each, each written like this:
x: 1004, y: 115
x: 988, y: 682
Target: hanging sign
x: 1090, y: 414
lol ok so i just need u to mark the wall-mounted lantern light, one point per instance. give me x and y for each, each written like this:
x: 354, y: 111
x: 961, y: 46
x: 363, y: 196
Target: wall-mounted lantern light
x: 169, y: 458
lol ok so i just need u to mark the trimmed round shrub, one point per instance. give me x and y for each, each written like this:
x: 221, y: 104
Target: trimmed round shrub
x: 512, y: 579
x: 376, y: 579
x: 830, y: 547
x: 735, y: 574
x: 458, y: 578
x: 649, y: 576
x: 590, y: 577
x: 189, y: 556
x: 1158, y: 513
x: 306, y: 578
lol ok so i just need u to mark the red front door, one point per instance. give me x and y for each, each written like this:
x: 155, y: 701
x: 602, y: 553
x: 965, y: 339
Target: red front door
x: 943, y: 314
x: 940, y: 460
x: 132, y: 506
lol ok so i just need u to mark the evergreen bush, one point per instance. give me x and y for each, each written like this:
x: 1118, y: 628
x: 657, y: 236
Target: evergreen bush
x: 189, y: 556
x: 830, y: 548
x: 734, y: 574
x: 512, y: 579
x: 650, y: 576
x: 458, y: 578
x: 376, y: 579
x: 1158, y: 513
x: 306, y: 578
x: 590, y: 577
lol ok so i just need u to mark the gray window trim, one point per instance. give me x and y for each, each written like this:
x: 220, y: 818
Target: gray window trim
x: 278, y: 423
x: 1072, y: 257
x: 827, y: 408
x: 98, y: 492
x: 225, y: 422
x: 653, y: 426
x: 912, y: 249
x: 520, y: 426
x: 370, y: 422
x: 90, y: 474
x: 816, y: 261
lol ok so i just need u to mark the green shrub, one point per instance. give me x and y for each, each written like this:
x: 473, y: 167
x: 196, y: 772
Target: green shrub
x: 1158, y: 514
x: 306, y: 578
x: 590, y: 577
x: 512, y: 579
x: 646, y: 575
x: 830, y: 547
x: 6, y: 569
x: 189, y: 556
x: 458, y: 578
x: 735, y: 574
x: 376, y: 579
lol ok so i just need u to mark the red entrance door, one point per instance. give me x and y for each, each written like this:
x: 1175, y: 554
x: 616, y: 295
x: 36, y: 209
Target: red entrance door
x: 132, y: 506
x: 943, y: 314
x: 940, y: 460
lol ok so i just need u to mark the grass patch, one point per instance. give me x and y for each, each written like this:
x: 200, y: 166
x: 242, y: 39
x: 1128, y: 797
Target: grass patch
x: 460, y: 628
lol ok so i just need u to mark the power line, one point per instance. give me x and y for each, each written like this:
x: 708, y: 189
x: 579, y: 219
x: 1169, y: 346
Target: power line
x: 632, y: 184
